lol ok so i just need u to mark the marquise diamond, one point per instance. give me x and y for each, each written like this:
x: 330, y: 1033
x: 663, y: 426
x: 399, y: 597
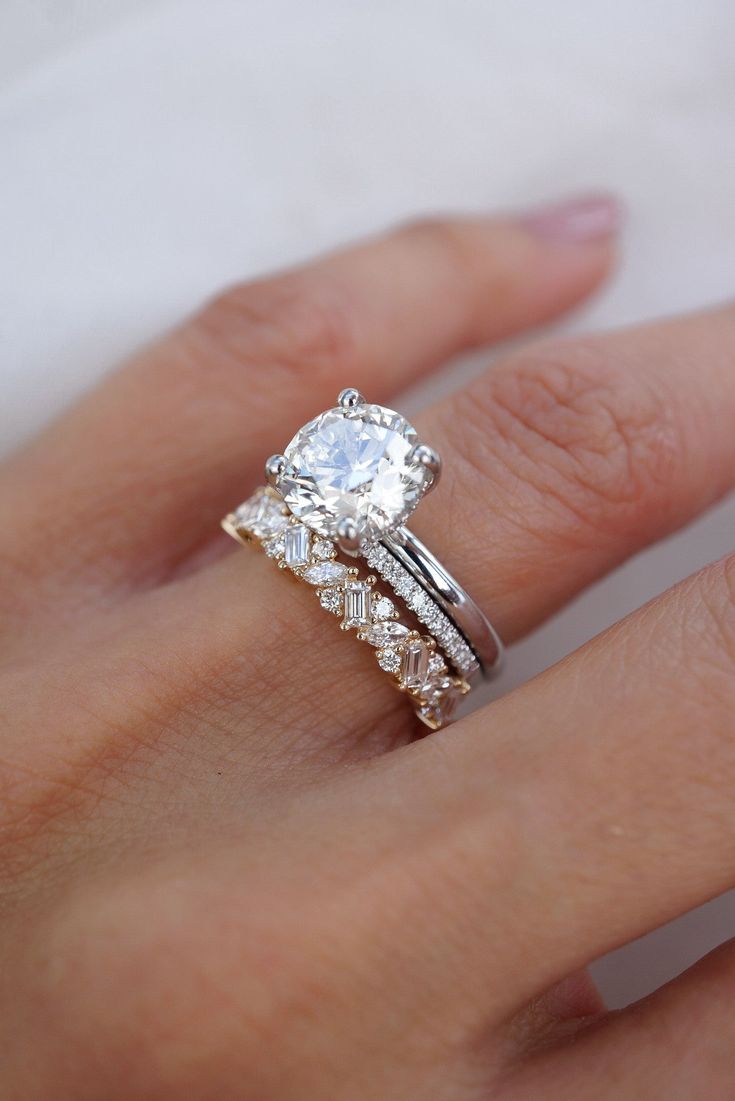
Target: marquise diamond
x: 325, y: 573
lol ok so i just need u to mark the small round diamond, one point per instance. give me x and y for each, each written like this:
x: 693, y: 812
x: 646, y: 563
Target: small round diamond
x: 389, y: 660
x: 323, y: 549
x: 274, y: 547
x: 404, y: 586
x: 436, y: 665
x: 419, y: 602
x: 384, y: 634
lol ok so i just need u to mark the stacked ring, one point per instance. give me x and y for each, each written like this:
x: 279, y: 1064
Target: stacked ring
x: 348, y: 481
x: 409, y: 658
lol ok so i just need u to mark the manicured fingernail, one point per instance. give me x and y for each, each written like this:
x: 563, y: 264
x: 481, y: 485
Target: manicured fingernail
x: 576, y: 221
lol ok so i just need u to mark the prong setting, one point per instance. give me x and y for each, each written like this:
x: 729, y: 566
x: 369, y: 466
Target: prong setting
x: 350, y: 398
x: 348, y: 536
x: 430, y: 459
x: 274, y: 468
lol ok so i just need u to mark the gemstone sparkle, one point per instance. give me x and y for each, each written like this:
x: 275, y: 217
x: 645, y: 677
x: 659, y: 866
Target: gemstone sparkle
x: 325, y: 573
x: 296, y: 545
x: 356, y: 464
x: 415, y: 664
x: 357, y: 604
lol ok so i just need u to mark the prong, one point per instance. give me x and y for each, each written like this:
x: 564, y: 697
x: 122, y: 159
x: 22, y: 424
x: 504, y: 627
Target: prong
x: 429, y: 458
x: 348, y: 536
x: 274, y: 468
x: 350, y: 398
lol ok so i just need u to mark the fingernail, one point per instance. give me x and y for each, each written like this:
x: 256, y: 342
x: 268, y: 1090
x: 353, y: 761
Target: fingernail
x: 576, y: 221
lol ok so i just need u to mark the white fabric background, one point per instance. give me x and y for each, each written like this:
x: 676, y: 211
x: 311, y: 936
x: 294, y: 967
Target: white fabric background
x: 152, y: 151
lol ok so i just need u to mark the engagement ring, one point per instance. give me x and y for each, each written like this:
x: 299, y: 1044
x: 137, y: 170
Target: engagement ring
x: 347, y: 482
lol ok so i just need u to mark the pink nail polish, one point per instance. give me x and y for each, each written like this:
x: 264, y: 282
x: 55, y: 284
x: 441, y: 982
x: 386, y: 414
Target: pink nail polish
x: 576, y: 221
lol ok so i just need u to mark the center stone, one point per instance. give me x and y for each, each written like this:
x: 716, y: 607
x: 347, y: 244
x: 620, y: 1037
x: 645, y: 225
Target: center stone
x: 355, y: 463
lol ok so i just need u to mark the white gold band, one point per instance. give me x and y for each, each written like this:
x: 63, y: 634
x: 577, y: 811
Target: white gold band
x: 426, y: 608
x: 462, y: 630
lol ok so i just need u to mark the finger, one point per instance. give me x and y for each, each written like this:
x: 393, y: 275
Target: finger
x: 139, y: 473
x: 676, y: 1045
x: 632, y: 442
x: 594, y: 803
x: 558, y: 464
x: 569, y: 457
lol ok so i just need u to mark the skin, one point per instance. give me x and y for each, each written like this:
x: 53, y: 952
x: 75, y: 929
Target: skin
x: 228, y: 868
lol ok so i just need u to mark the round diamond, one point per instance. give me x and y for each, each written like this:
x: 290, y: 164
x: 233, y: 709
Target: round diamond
x: 332, y: 600
x: 419, y: 602
x: 274, y: 547
x: 436, y: 664
x: 383, y: 608
x: 389, y: 660
x: 353, y: 463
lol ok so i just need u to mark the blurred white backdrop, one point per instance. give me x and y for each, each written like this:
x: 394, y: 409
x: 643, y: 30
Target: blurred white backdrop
x: 153, y: 150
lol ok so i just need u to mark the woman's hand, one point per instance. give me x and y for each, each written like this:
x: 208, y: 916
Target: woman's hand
x: 226, y: 869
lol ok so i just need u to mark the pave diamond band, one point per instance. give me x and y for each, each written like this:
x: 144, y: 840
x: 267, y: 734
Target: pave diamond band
x: 452, y: 643
x: 410, y: 659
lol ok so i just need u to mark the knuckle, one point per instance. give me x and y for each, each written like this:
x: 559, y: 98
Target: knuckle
x: 303, y: 324
x: 595, y: 441
x: 445, y: 244
x: 439, y: 234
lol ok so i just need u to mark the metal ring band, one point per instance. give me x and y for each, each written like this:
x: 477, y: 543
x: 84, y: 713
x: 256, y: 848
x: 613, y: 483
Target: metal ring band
x: 424, y: 605
x: 471, y: 624
x: 410, y: 659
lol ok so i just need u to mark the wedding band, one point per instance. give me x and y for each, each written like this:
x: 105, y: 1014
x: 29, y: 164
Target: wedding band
x: 348, y: 481
x: 409, y: 658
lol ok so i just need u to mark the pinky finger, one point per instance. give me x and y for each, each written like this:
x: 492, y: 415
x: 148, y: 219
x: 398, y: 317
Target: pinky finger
x: 676, y: 1045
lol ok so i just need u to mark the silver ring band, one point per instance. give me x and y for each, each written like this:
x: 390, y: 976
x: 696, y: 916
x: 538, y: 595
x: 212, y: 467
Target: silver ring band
x: 448, y: 594
x: 425, y: 607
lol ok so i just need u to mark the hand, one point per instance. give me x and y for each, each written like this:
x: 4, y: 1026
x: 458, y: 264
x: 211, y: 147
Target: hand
x: 228, y: 870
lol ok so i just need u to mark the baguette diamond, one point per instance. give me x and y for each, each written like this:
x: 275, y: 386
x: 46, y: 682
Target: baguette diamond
x: 296, y: 546
x: 358, y: 597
